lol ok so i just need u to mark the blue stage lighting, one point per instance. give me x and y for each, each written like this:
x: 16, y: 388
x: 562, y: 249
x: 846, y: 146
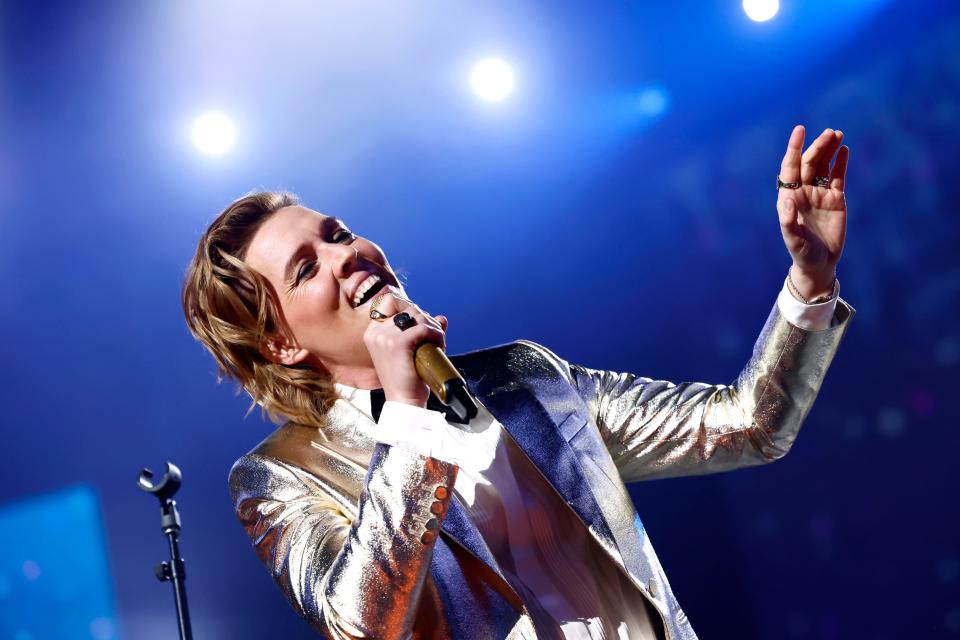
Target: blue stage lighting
x: 213, y: 133
x: 492, y: 79
x: 761, y: 10
x: 54, y: 555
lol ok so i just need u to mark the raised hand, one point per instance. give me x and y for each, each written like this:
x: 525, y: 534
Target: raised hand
x: 813, y: 210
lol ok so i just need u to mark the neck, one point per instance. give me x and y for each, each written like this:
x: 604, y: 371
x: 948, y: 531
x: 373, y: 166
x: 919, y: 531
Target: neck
x: 359, y: 377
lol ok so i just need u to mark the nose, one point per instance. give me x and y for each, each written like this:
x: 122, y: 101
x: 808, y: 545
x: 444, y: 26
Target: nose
x: 344, y: 259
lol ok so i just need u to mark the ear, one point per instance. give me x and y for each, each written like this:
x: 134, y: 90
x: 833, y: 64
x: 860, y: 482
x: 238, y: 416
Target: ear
x: 279, y: 350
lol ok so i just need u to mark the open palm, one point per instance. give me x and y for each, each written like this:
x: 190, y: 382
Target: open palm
x: 813, y: 217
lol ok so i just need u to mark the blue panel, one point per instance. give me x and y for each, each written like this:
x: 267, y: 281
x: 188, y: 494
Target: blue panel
x: 54, y: 575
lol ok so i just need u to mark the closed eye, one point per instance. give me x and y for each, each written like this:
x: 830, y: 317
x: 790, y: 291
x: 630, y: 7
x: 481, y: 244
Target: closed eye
x: 308, y: 267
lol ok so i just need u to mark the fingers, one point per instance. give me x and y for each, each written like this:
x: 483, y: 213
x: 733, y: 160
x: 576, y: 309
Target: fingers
x: 823, y: 166
x: 392, y: 303
x: 790, y: 167
x: 421, y: 332
x: 813, y: 155
x: 839, y: 174
x: 389, y: 337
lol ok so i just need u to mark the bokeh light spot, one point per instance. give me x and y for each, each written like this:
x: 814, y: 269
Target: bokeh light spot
x: 948, y: 569
x: 653, y: 101
x: 102, y: 629
x: 891, y: 422
x: 31, y: 570
x: 947, y: 351
x: 923, y: 402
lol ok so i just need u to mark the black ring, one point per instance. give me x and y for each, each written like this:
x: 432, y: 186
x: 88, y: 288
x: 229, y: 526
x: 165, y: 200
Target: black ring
x: 404, y: 320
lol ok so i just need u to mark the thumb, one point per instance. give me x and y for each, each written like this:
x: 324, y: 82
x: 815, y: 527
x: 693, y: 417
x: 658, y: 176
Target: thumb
x: 790, y: 226
x: 788, y: 215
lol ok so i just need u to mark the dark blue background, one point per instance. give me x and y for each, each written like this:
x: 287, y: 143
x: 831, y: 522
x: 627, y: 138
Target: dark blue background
x: 564, y: 215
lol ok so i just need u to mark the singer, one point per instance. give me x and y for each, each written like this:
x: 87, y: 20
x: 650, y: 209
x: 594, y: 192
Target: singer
x: 381, y: 514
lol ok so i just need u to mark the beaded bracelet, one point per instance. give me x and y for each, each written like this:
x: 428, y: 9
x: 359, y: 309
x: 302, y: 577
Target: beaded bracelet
x: 818, y: 300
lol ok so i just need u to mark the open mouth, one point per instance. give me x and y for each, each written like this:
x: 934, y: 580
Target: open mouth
x: 376, y: 285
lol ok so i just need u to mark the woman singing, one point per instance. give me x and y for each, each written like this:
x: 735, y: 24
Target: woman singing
x: 380, y: 514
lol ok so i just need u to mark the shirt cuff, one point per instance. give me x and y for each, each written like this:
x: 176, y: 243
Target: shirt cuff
x: 428, y: 433
x: 812, y: 317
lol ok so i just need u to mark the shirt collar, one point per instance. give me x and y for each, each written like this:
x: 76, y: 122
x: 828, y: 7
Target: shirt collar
x: 369, y: 402
x: 363, y: 401
x: 359, y: 398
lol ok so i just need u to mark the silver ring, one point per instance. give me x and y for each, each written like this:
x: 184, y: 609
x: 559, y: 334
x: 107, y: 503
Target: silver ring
x: 786, y: 185
x: 821, y: 181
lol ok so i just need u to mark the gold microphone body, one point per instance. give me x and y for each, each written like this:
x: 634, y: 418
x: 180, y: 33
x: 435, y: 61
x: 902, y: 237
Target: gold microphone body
x: 435, y: 369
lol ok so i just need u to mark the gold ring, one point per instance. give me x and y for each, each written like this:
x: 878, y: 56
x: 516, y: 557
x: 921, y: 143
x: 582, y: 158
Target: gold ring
x: 374, y: 314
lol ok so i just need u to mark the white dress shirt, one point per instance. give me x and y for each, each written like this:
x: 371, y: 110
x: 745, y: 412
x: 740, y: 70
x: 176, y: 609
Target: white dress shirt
x: 520, y: 515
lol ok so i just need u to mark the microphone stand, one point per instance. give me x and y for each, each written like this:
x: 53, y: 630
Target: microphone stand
x: 172, y: 570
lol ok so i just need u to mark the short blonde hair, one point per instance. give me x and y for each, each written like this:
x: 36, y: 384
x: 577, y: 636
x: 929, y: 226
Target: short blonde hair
x: 231, y: 309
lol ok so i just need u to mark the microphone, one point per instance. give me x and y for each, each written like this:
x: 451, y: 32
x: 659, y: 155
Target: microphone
x: 435, y: 369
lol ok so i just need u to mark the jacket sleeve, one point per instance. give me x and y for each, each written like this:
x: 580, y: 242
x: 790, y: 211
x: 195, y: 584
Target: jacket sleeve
x: 349, y: 578
x: 658, y: 429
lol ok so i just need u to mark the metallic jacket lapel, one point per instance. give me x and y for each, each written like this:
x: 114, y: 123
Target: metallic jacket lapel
x: 538, y: 418
x: 458, y: 525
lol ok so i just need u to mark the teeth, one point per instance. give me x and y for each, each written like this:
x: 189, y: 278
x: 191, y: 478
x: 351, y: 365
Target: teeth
x: 365, y: 286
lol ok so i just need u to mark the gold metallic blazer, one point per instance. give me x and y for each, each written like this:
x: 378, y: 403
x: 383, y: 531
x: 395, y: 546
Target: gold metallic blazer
x: 367, y: 540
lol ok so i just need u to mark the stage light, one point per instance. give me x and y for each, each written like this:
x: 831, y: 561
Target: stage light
x: 492, y: 79
x: 761, y: 10
x: 213, y: 133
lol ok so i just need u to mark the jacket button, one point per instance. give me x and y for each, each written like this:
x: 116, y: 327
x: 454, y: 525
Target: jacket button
x: 653, y: 588
x: 432, y: 524
x: 427, y: 537
x: 436, y: 508
x: 441, y: 493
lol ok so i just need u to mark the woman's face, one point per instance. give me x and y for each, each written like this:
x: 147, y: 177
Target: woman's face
x: 315, y: 265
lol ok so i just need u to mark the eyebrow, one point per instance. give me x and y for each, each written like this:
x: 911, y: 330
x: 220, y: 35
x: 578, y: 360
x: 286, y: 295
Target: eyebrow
x: 303, y: 249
